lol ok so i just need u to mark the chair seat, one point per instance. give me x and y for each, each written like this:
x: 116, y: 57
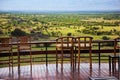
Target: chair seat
x: 5, y: 48
x: 64, y: 55
x: 24, y: 47
x: 83, y: 45
x: 64, y: 46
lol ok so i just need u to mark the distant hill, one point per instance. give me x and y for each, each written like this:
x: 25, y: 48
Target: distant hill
x: 60, y: 12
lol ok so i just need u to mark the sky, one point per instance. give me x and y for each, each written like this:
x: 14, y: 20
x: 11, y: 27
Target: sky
x: 60, y: 5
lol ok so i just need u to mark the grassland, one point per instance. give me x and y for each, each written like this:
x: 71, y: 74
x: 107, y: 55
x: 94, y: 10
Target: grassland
x: 51, y: 26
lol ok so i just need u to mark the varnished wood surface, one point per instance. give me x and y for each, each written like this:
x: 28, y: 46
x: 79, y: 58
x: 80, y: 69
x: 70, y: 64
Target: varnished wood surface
x: 41, y: 72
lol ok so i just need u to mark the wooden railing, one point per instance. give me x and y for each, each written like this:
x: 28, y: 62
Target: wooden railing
x: 97, y: 49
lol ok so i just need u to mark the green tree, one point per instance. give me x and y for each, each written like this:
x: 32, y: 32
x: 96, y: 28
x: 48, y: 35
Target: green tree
x: 105, y: 38
x: 18, y: 32
x: 69, y: 34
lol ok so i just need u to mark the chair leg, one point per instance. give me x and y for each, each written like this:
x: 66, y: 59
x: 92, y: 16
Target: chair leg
x: 30, y: 61
x: 12, y: 63
x: 78, y: 58
x: 18, y: 60
x: 9, y: 62
x: 62, y: 60
x: 71, y: 58
x: 56, y: 58
x: 110, y: 65
x: 75, y: 58
x: 90, y: 55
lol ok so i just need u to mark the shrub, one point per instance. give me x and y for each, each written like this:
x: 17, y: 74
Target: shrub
x: 18, y: 32
x: 69, y: 34
x: 105, y: 38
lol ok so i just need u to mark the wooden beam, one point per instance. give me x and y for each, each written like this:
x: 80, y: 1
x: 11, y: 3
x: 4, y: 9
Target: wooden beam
x: 35, y: 52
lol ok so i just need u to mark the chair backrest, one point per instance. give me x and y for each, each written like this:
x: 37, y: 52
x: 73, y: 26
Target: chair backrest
x: 117, y: 42
x: 84, y: 41
x: 23, y: 41
x: 68, y: 41
x: 5, y: 42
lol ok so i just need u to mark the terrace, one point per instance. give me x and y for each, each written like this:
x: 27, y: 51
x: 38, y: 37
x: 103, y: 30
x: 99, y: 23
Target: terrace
x: 44, y: 63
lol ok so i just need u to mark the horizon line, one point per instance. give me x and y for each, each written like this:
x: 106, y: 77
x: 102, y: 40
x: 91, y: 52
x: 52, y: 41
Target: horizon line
x: 60, y: 10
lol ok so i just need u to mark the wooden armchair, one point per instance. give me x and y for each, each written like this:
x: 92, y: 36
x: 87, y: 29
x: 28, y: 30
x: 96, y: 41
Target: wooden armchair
x: 6, y: 46
x: 84, y: 42
x: 24, y: 47
x: 63, y: 44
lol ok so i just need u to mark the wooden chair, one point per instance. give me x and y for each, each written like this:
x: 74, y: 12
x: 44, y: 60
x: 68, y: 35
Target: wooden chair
x: 24, y: 47
x: 63, y: 44
x: 84, y: 43
x: 6, y: 46
x: 116, y: 44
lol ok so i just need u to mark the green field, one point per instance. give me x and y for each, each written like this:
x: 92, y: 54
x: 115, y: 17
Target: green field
x: 51, y: 26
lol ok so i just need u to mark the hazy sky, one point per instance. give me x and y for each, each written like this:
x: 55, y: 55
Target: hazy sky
x: 66, y: 5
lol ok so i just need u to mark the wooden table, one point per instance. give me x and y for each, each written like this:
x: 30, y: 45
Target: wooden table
x: 112, y: 62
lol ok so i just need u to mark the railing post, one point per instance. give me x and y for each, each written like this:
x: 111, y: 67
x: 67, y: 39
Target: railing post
x: 119, y: 67
x: 110, y: 65
x: 46, y: 54
x: 99, y: 53
x: 18, y: 65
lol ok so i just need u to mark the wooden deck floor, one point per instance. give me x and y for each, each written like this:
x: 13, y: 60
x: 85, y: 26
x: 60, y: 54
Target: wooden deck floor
x: 41, y: 72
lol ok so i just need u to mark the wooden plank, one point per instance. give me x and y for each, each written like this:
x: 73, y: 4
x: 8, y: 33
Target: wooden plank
x: 41, y: 72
